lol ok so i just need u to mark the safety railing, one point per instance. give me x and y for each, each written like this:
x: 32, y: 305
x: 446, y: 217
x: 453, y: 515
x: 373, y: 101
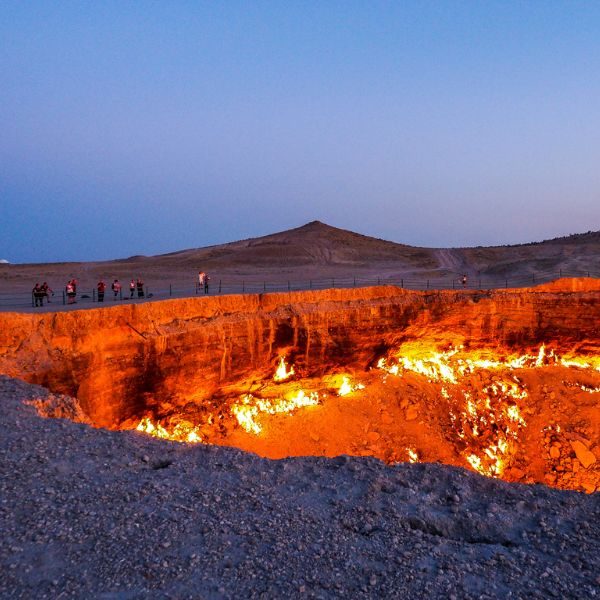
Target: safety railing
x: 161, y: 291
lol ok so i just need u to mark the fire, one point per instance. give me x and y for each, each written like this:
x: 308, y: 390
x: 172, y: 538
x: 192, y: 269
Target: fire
x: 413, y: 457
x: 282, y: 373
x: 249, y: 408
x: 183, y: 431
x: 347, y: 387
x: 484, y: 398
x: 487, y: 420
x: 588, y: 389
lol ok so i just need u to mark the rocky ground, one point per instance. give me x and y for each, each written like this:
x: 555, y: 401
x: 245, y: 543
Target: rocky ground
x: 93, y: 513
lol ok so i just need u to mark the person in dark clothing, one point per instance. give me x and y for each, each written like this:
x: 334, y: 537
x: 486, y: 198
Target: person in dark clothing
x: 38, y: 295
x: 140, y: 287
x: 131, y: 288
x: 101, y: 290
x: 464, y: 280
x: 206, y: 280
x: 47, y: 291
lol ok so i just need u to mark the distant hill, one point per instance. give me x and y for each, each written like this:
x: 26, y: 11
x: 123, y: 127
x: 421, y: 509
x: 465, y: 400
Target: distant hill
x: 317, y: 250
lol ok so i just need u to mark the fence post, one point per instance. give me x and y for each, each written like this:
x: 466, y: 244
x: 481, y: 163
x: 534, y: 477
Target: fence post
x: 243, y: 286
x: 428, y: 284
x: 93, y: 295
x: 560, y: 273
x: 355, y: 282
x: 64, y: 297
x: 506, y: 283
x: 402, y: 283
x: 264, y: 286
x: 378, y: 281
x: 288, y: 286
x: 479, y: 282
x: 121, y: 294
x: 170, y: 290
x: 219, y: 286
x: 310, y: 284
x: 588, y: 273
x: 452, y: 283
x: 533, y: 277
x: 146, y: 292
x: 32, y: 300
x: 333, y: 283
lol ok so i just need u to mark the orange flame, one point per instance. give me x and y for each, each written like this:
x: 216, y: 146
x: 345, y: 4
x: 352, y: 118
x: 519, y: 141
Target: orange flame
x: 183, y: 431
x: 347, y: 387
x: 249, y: 408
x: 282, y: 373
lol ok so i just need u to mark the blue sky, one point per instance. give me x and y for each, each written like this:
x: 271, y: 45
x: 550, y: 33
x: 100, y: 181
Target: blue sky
x: 147, y: 127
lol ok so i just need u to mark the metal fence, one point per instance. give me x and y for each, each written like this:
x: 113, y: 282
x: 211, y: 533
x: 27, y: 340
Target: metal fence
x: 87, y: 296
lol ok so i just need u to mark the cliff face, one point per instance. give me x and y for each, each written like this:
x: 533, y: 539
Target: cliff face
x: 115, y: 359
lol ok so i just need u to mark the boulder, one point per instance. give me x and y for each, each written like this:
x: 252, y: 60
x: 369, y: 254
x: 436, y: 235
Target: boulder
x: 585, y: 456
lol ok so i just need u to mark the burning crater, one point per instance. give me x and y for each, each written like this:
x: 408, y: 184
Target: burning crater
x: 506, y: 383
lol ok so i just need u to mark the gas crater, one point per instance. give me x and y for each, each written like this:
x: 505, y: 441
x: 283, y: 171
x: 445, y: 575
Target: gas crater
x: 504, y: 382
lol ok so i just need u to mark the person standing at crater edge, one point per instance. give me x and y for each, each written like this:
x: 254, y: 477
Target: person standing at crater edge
x: 101, y: 290
x: 131, y: 288
x: 116, y: 288
x: 38, y: 295
x: 70, y: 292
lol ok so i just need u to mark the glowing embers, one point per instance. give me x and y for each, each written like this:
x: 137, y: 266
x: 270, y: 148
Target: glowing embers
x: 413, y: 456
x: 347, y: 387
x: 282, y: 373
x: 181, y: 431
x: 487, y: 424
x: 447, y: 366
x: 433, y: 365
x: 483, y: 399
x: 248, y: 410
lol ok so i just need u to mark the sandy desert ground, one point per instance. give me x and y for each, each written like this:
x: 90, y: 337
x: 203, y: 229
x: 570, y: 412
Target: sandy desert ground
x: 317, y: 254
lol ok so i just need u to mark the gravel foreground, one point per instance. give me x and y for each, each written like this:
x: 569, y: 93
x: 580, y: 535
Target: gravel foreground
x: 90, y: 513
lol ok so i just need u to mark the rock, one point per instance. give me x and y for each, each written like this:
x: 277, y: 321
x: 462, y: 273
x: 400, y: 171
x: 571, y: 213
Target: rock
x: 586, y: 458
x: 554, y: 452
x: 588, y: 486
x: 516, y: 473
x: 373, y: 436
x: 412, y: 412
x: 387, y: 419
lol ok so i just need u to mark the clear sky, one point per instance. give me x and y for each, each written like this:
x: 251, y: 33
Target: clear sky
x: 147, y: 127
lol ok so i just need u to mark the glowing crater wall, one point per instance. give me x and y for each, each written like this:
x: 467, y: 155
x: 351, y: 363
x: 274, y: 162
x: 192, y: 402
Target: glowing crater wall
x: 116, y: 360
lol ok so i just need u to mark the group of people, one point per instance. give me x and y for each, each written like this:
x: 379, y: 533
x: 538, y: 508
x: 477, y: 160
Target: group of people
x: 40, y: 292
x: 44, y: 292
x: 136, y: 287
x: 116, y: 287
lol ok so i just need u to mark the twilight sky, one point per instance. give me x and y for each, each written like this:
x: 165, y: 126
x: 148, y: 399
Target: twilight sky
x: 148, y: 127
